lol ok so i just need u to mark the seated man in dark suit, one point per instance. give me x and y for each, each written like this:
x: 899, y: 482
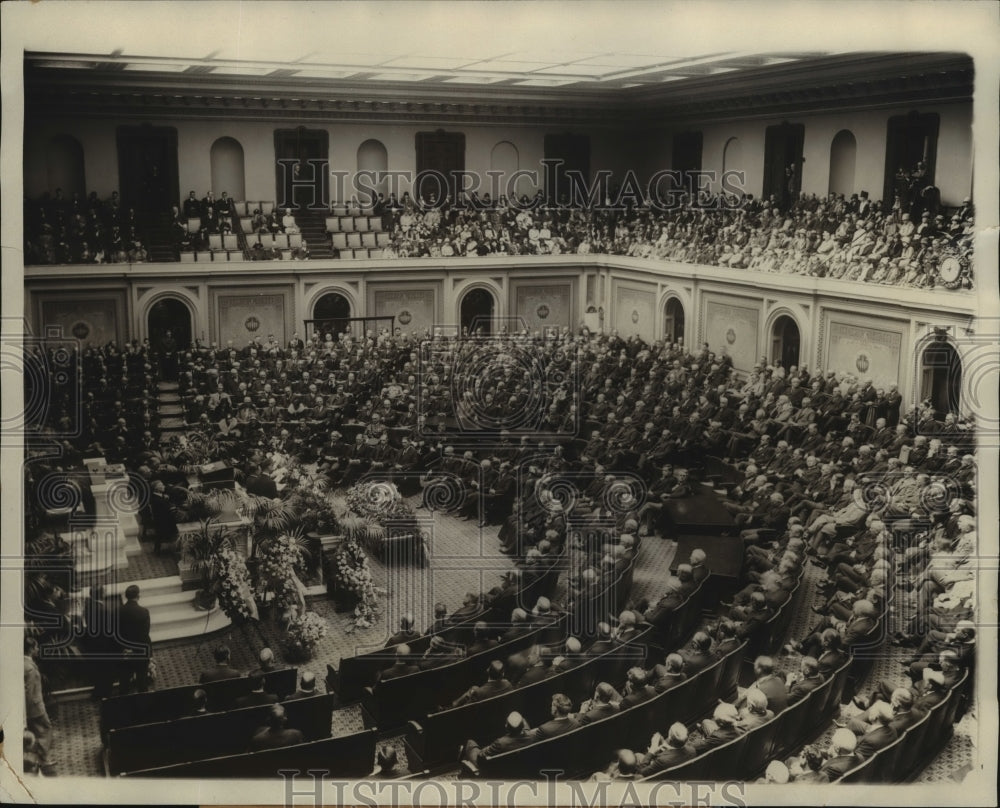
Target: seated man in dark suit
x: 636, y: 689
x: 403, y: 666
x: 599, y: 706
x: 603, y: 643
x: 562, y: 719
x: 722, y: 727
x: 755, y: 712
x: 771, y: 685
x: 406, y: 632
x: 495, y: 684
x: 515, y: 736
x: 441, y: 621
x: 808, y: 678
x: 699, y: 569
x: 307, y: 687
x: 698, y: 655
x: 668, y: 675
x: 275, y: 733
x: 881, y: 733
x: 481, y: 639
x: 199, y: 702
x: 440, y: 652
x: 519, y: 625
x: 665, y: 753
x: 256, y: 696
x: 904, y: 715
x: 222, y: 670
x: 266, y: 662
x: 841, y: 755
x: 806, y: 768
x: 539, y: 666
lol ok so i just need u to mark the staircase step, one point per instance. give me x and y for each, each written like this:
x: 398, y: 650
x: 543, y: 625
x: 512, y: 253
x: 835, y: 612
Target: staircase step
x: 166, y: 386
x: 187, y: 623
x: 167, y: 397
x: 171, y: 409
x: 151, y: 587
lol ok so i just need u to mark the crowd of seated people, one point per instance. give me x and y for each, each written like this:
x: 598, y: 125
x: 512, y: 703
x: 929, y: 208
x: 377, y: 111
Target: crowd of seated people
x: 851, y: 239
x: 814, y: 452
x: 74, y: 230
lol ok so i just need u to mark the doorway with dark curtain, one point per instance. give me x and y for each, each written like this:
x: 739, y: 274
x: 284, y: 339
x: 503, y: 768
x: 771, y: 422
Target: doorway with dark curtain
x: 331, y: 313
x: 440, y: 161
x: 783, y: 162
x: 785, y: 340
x: 686, y: 157
x: 302, y: 168
x: 941, y: 381
x: 169, y: 314
x: 477, y: 312
x: 147, y: 171
x: 673, y: 321
x: 574, y: 152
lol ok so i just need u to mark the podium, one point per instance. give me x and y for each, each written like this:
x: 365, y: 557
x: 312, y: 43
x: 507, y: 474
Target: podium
x: 106, y: 540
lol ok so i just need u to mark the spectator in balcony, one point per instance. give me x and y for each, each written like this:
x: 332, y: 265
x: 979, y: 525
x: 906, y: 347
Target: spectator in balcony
x: 288, y: 222
x: 302, y: 253
x: 192, y: 207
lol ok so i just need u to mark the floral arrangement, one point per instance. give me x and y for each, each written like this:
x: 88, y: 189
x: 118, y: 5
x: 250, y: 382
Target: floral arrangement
x: 308, y: 492
x: 352, y: 573
x: 378, y: 501
x: 232, y: 584
x: 280, y: 562
x: 304, y: 634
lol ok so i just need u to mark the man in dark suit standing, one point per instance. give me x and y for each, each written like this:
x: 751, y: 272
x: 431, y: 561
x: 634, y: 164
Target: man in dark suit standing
x: 275, y: 733
x: 133, y: 627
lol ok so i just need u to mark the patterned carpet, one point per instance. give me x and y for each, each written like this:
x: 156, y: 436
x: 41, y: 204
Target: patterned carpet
x: 463, y: 558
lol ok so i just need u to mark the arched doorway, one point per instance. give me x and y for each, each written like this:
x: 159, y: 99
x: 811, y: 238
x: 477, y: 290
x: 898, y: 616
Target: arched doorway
x: 227, y: 169
x: 169, y: 314
x: 785, y: 342
x: 331, y: 313
x: 64, y: 162
x: 476, y: 311
x: 941, y: 377
x: 843, y: 156
x: 373, y: 159
x: 673, y: 321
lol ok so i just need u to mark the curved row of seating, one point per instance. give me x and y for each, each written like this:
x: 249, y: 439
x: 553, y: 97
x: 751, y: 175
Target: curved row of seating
x: 349, y: 756
x: 394, y: 702
x: 198, y: 737
x: 587, y: 748
x: 432, y: 741
x: 117, y: 712
x: 356, y: 674
x: 911, y: 751
x: 744, y: 757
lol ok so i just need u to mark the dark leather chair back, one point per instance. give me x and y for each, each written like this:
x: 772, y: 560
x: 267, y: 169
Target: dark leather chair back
x: 349, y: 756
x: 175, y: 702
x: 212, y: 735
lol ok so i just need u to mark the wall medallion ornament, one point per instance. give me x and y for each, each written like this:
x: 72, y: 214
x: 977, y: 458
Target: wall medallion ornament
x: 635, y: 316
x: 731, y: 336
x: 862, y: 363
x: 542, y: 311
x: 251, y: 323
x: 81, y: 330
x: 405, y: 317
